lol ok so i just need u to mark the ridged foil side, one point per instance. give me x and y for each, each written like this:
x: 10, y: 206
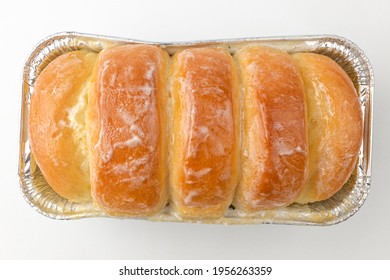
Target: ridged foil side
x: 334, y: 210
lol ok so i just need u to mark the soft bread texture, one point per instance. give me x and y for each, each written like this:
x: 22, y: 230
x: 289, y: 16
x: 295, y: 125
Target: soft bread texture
x: 274, y: 145
x: 122, y: 127
x: 57, y: 124
x: 205, y: 132
x: 127, y: 130
x: 335, y: 126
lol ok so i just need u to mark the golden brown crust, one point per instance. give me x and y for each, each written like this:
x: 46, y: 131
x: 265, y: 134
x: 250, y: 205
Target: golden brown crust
x: 335, y: 125
x: 301, y: 127
x: 205, y: 141
x: 57, y: 124
x: 127, y: 130
x: 274, y: 147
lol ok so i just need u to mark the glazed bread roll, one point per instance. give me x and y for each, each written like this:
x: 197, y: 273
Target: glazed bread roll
x: 57, y: 124
x: 205, y: 133
x: 264, y: 130
x: 335, y: 126
x: 274, y: 138
x: 127, y: 130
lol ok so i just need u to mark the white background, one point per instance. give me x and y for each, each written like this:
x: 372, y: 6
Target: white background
x: 25, y: 234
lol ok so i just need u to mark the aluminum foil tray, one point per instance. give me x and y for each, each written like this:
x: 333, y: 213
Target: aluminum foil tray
x: 338, y: 208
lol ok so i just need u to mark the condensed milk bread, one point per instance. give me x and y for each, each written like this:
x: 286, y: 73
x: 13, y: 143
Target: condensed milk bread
x: 135, y: 131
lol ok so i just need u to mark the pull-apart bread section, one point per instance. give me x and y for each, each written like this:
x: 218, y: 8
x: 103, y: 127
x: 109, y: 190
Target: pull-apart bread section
x: 127, y: 130
x: 335, y: 126
x: 57, y: 124
x: 132, y: 129
x: 205, y: 132
x: 274, y: 138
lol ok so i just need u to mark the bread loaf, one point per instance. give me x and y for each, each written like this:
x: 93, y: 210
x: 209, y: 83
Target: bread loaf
x: 133, y: 130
